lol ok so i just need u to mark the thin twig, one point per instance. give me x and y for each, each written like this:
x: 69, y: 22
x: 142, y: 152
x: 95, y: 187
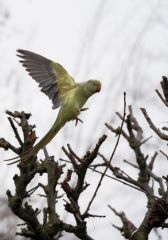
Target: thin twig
x: 131, y: 164
x: 106, y: 175
x: 112, y: 155
x: 161, y: 97
x: 152, y: 125
x: 164, y: 154
x: 15, y: 131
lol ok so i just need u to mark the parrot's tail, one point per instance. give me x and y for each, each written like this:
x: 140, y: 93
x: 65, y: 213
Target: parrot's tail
x: 44, y: 141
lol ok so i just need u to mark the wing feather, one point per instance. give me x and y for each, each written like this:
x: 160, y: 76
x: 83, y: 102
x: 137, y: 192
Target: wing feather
x: 52, y: 78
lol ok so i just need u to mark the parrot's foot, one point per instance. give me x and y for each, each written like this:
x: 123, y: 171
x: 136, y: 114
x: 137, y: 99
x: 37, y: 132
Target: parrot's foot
x: 77, y: 120
x: 84, y: 109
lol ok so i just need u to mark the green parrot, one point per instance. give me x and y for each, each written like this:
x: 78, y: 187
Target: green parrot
x: 61, y: 88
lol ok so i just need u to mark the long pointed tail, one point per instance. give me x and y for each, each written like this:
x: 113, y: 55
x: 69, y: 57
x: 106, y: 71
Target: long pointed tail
x: 45, y: 140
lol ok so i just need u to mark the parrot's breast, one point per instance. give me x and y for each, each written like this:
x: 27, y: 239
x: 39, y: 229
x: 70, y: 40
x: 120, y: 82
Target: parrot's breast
x: 74, y: 101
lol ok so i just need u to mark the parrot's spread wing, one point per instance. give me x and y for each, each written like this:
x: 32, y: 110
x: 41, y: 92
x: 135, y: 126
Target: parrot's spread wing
x: 53, y: 79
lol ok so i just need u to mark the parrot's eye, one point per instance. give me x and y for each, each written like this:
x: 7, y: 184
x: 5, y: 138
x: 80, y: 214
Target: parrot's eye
x: 95, y: 85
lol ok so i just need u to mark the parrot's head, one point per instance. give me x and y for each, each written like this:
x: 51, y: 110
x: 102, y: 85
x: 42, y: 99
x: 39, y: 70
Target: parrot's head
x: 94, y: 85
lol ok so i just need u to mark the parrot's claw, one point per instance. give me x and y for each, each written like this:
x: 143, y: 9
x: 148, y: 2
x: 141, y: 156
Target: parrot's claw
x: 84, y: 109
x: 78, y: 120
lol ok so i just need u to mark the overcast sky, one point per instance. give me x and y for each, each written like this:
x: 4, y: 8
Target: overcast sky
x: 121, y: 43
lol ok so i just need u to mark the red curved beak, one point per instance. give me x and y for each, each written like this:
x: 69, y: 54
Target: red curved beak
x: 98, y: 88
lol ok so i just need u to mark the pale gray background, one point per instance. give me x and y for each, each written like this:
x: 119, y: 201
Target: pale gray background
x: 124, y: 44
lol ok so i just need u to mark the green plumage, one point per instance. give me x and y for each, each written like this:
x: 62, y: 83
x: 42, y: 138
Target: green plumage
x: 61, y: 88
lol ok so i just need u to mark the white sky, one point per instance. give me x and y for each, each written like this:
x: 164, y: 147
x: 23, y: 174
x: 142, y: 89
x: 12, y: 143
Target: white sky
x: 122, y: 43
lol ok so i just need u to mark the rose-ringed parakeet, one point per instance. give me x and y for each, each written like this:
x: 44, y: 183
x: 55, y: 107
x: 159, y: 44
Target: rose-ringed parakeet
x: 61, y: 88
